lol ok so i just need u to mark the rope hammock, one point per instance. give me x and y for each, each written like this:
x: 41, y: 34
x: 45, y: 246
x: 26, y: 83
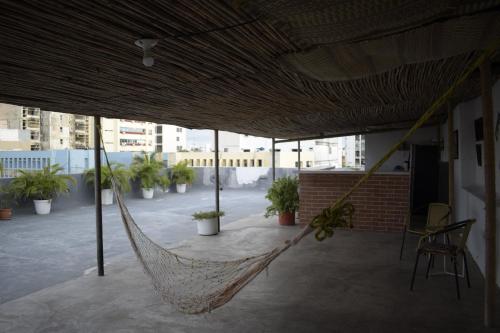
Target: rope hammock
x: 197, y: 286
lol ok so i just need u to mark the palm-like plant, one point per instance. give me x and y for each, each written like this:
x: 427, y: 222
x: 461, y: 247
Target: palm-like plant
x: 182, y: 174
x: 149, y: 169
x: 284, y: 196
x: 43, y: 184
x: 118, y: 170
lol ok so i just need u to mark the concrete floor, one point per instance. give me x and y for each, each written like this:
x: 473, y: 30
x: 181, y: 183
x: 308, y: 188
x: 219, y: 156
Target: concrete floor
x: 40, y: 251
x: 352, y: 282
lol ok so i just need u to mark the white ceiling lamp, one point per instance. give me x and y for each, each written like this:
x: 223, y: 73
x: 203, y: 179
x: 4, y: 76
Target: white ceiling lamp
x: 146, y: 45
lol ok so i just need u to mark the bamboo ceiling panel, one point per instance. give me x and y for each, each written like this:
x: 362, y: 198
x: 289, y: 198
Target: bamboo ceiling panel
x: 271, y: 68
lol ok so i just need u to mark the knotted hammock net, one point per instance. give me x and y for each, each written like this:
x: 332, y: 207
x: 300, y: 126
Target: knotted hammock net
x: 196, y: 286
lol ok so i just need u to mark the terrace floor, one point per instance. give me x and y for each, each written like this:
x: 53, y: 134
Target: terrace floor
x: 38, y: 251
x: 352, y: 282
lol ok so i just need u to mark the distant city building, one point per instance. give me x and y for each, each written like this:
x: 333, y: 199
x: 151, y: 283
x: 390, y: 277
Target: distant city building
x: 127, y: 135
x: 170, y: 139
x: 354, y: 151
x: 47, y: 130
x: 14, y: 139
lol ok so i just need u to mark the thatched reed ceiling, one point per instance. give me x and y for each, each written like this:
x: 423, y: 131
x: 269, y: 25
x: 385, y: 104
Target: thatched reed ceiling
x: 282, y: 68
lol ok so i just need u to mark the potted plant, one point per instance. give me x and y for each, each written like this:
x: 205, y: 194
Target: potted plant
x: 5, y: 203
x: 182, y: 175
x: 148, y: 170
x: 284, y: 197
x: 164, y: 182
x: 121, y: 174
x: 42, y: 186
x: 207, y: 222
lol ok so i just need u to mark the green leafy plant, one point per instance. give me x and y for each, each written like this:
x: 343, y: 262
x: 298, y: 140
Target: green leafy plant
x: 182, y: 174
x: 284, y: 196
x: 118, y: 170
x: 149, y: 169
x: 6, y: 197
x: 42, y: 184
x: 207, y: 215
x: 164, y: 182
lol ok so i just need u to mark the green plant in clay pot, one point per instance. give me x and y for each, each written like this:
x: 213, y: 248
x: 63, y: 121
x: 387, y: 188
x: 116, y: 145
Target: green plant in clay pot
x: 121, y: 175
x: 182, y: 175
x: 148, y: 169
x: 208, y: 222
x: 284, y: 197
x: 41, y: 186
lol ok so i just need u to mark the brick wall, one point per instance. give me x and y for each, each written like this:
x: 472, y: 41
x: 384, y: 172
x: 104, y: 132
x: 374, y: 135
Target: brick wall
x: 380, y: 204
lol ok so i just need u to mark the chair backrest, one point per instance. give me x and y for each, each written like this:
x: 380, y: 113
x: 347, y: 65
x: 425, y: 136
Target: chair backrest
x: 438, y: 216
x: 458, y: 233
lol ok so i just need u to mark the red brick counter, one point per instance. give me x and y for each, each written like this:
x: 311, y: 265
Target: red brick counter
x: 380, y: 203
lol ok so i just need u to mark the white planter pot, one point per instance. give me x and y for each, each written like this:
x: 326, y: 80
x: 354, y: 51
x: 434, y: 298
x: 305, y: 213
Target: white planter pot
x: 42, y: 207
x: 181, y: 188
x: 207, y: 227
x: 147, y: 193
x: 107, y: 196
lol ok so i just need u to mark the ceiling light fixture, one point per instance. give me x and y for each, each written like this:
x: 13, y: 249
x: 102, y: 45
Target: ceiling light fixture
x: 146, y: 45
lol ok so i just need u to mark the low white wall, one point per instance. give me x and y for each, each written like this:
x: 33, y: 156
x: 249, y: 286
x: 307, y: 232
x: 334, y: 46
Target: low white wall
x: 377, y: 144
x: 469, y: 177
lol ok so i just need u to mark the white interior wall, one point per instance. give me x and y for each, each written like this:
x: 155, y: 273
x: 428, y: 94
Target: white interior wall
x: 469, y: 177
x: 377, y: 144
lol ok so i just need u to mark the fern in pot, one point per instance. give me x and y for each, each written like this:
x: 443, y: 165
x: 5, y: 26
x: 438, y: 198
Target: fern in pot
x: 6, y: 202
x: 41, y: 186
x: 284, y: 197
x: 182, y: 175
x: 148, y: 169
x: 208, y: 222
x: 121, y: 174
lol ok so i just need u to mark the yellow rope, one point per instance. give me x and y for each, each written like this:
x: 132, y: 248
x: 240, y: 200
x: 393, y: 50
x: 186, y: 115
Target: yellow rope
x: 334, y: 215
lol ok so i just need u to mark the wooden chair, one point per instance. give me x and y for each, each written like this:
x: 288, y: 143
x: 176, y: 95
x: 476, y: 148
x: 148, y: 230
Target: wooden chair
x: 437, y: 217
x: 453, y: 246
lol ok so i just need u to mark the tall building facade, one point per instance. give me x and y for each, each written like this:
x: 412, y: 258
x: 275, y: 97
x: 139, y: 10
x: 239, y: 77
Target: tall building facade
x: 170, y: 139
x: 48, y: 130
x: 128, y: 135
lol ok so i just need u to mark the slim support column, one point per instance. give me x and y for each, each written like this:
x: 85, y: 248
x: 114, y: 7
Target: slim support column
x: 217, y: 183
x: 298, y: 154
x: 451, y: 165
x: 490, y: 196
x: 98, y: 203
x: 273, y: 158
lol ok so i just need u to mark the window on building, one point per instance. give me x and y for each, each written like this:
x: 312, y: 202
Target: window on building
x: 150, y: 132
x: 245, y: 163
x: 231, y: 163
x: 60, y: 129
x: 159, y: 139
x: 211, y: 162
x: 226, y: 150
x: 259, y: 163
x: 204, y: 162
x: 252, y: 163
x: 179, y: 148
x: 191, y: 162
x: 238, y: 163
x: 178, y: 139
x: 309, y: 164
x: 61, y: 141
x: 159, y: 129
x: 158, y: 149
x: 179, y: 130
x: 198, y: 162
x: 246, y: 150
x: 224, y: 162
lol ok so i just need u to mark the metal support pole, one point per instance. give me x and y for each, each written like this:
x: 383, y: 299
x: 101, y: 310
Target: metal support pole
x: 273, y: 158
x: 298, y: 154
x: 217, y: 184
x: 451, y: 165
x: 490, y: 195
x: 98, y: 203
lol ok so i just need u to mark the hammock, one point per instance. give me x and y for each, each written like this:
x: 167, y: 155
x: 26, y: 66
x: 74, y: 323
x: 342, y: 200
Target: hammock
x: 196, y: 286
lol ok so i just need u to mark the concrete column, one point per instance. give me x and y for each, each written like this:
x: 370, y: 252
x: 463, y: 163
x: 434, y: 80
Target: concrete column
x: 451, y: 165
x: 98, y: 203
x: 490, y: 195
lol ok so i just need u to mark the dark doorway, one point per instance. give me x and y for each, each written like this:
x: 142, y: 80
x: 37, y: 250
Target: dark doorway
x: 424, y: 167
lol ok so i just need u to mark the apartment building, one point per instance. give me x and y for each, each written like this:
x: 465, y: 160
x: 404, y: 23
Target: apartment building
x: 128, y: 135
x: 170, y: 139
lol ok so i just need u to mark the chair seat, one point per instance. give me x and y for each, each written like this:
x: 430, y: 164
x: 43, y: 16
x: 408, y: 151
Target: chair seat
x: 439, y: 248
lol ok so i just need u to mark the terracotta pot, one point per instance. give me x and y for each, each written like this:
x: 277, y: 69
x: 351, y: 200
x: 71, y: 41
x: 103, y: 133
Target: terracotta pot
x: 5, y: 213
x: 287, y: 218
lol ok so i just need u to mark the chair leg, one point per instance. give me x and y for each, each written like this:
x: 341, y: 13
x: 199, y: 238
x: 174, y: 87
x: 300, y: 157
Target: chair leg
x: 466, y: 269
x: 402, y: 244
x: 456, y: 276
x: 429, y: 264
x: 414, y: 271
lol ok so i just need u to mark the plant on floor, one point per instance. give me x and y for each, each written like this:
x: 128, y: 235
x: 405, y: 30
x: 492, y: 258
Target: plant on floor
x: 6, y: 202
x: 207, y: 215
x: 41, y: 186
x: 284, y: 197
x: 118, y: 170
x: 207, y: 223
x: 182, y: 175
x: 151, y: 172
